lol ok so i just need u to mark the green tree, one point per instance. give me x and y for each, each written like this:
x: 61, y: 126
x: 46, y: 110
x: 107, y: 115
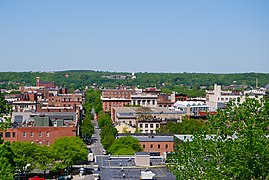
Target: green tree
x: 125, y: 151
x: 188, y: 126
x: 103, y: 119
x: 238, y: 150
x: 87, y: 128
x: 108, y: 135
x: 44, y: 158
x: 108, y: 140
x: 7, y: 165
x: 24, y: 154
x: 5, y: 108
x: 127, y: 144
x: 69, y: 150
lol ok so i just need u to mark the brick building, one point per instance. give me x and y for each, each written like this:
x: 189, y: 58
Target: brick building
x: 156, y: 144
x: 44, y: 84
x: 42, y: 135
x: 152, y: 91
x: 42, y: 128
x: 116, y: 98
x: 130, y: 115
x: 164, y: 100
x: 66, y: 100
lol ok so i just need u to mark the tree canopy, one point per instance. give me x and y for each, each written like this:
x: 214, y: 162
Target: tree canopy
x: 238, y: 150
x: 5, y: 108
x: 78, y: 79
x: 7, y: 165
x: 70, y: 150
x: 127, y: 145
x: 187, y: 126
x: 87, y: 128
x: 103, y: 119
x: 24, y: 154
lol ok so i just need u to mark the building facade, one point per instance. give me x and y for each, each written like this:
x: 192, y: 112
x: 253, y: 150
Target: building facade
x: 41, y: 135
x: 145, y: 100
x: 116, y: 98
x: 218, y: 98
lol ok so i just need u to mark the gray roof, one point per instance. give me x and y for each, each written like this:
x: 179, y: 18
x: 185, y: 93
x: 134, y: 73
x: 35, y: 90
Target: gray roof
x: 114, y: 168
x: 131, y: 111
x: 153, y: 138
x: 142, y: 153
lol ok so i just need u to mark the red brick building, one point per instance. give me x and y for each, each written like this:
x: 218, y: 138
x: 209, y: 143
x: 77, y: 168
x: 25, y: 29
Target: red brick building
x: 42, y: 135
x: 152, y: 91
x: 155, y: 144
x: 116, y: 98
x: 66, y: 100
x: 164, y: 100
x: 118, y: 93
x: 44, y: 84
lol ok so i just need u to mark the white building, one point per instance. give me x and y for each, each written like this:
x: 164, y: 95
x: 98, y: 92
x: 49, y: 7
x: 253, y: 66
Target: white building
x: 149, y: 125
x: 24, y: 106
x: 218, y: 98
x: 145, y: 100
x: 190, y: 108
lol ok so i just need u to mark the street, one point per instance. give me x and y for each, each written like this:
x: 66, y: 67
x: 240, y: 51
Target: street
x: 96, y: 148
x: 96, y: 145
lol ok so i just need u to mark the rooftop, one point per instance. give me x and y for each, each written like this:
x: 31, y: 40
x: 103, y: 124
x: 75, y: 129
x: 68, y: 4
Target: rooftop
x: 123, y: 111
x: 154, y: 138
x: 123, y: 167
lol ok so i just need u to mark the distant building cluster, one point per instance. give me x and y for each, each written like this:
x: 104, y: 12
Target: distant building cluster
x: 122, y: 77
x: 217, y: 98
x: 43, y: 113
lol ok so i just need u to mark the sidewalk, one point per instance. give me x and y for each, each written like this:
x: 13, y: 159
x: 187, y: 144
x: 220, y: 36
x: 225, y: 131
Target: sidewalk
x: 78, y: 177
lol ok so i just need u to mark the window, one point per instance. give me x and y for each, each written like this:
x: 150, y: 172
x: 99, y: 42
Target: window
x: 48, y: 143
x: 157, y: 125
x: 151, y: 146
x: 18, y: 118
x: 151, y: 131
x: 141, y: 125
x: 159, y: 146
x: 151, y: 125
x: 13, y: 134
x: 146, y: 125
x: 7, y: 134
x: 144, y: 146
x: 24, y: 134
x: 40, y: 134
x: 48, y: 134
x: 32, y: 134
x: 130, y: 122
x: 166, y: 146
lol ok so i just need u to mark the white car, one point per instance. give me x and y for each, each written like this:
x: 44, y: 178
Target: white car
x: 90, y: 157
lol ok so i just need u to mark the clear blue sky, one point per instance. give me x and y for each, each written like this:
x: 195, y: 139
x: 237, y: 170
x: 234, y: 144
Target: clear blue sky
x: 135, y: 35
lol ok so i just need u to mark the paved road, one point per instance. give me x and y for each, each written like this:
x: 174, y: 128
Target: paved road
x: 96, y: 146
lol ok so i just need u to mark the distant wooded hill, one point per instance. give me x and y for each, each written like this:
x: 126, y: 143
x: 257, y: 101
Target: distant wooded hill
x: 78, y: 79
